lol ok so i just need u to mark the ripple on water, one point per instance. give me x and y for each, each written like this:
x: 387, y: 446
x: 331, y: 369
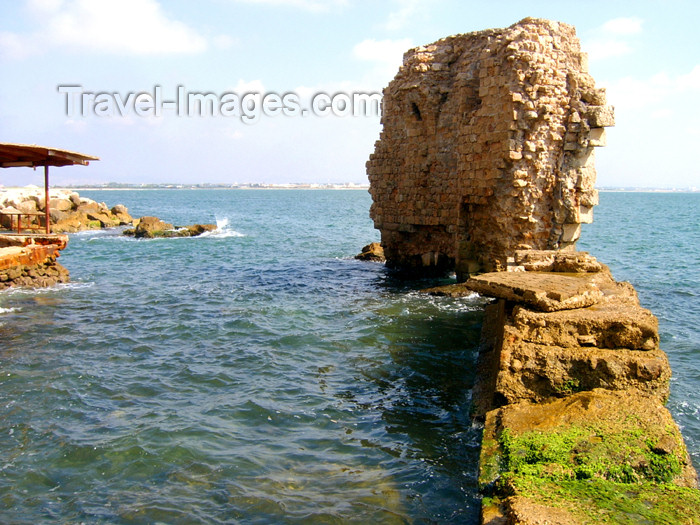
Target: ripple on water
x: 265, y: 378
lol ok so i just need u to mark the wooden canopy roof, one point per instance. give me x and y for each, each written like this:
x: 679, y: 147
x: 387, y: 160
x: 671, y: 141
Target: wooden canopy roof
x: 31, y: 155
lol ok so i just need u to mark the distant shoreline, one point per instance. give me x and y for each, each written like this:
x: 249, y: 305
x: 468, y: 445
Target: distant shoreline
x: 255, y: 186
x: 197, y: 187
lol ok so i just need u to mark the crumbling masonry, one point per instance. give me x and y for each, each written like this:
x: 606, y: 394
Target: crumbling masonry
x: 487, y: 148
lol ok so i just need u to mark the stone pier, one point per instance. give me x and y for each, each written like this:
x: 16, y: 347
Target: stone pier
x: 485, y: 167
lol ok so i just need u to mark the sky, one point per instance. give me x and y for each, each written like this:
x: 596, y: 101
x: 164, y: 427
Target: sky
x: 645, y: 53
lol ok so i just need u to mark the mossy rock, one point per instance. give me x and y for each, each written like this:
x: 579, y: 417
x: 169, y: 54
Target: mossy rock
x: 595, y: 501
x: 602, y: 456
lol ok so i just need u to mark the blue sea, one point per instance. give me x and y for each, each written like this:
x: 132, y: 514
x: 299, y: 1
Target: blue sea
x: 260, y: 374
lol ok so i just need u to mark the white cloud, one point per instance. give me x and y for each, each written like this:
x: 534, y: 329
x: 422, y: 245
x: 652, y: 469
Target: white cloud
x: 399, y: 18
x: 382, y: 51
x: 15, y: 46
x: 225, y: 42
x: 623, y: 26
x: 234, y: 134
x: 121, y: 27
x: 612, y: 38
x: 386, y: 56
x: 306, y: 5
x: 406, y: 12
x: 691, y: 81
x: 640, y: 101
x: 251, y: 86
x: 602, y: 49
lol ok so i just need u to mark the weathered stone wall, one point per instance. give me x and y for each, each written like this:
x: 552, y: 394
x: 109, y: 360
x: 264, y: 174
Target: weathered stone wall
x: 487, y: 147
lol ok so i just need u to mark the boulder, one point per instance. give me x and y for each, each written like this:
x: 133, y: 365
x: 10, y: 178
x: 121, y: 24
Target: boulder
x: 372, y: 252
x: 88, y: 205
x: 60, y: 204
x: 75, y: 199
x: 121, y: 213
x: 71, y: 223
x: 28, y: 206
x: 199, y: 229
x: 6, y: 216
x: 149, y: 227
x: 58, y: 216
x: 119, y: 209
x: 105, y: 220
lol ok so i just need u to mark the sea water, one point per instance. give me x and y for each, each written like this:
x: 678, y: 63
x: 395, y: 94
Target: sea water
x: 260, y: 374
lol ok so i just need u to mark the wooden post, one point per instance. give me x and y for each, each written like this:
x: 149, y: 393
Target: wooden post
x: 46, y: 198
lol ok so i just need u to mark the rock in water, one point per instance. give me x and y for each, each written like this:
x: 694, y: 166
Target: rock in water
x: 149, y: 227
x: 199, y: 229
x: 372, y: 252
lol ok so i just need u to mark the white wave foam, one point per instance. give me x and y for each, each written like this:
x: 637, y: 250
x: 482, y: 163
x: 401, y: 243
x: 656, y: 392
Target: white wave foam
x: 222, y: 230
x: 223, y: 234
x: 8, y: 310
x: 72, y: 285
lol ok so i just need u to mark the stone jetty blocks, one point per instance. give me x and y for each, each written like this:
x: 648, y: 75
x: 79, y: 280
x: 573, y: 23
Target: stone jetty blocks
x: 485, y: 166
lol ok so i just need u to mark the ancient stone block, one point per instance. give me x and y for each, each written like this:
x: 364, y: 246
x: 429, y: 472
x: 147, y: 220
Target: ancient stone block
x: 531, y: 371
x: 597, y: 137
x: 610, y: 324
x: 557, y: 261
x: 605, y: 416
x: 546, y: 291
x: 601, y: 116
x: 570, y: 232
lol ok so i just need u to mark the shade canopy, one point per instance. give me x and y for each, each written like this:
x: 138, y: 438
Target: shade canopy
x: 31, y: 155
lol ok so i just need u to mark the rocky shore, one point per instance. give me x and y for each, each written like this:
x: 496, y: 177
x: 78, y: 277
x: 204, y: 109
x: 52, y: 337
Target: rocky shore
x: 27, y: 253
x: 28, y: 257
x: 68, y: 211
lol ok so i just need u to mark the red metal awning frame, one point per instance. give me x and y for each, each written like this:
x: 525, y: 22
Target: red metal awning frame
x: 32, y: 156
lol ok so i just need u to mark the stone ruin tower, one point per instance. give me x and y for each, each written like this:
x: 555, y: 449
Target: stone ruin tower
x: 487, y: 148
